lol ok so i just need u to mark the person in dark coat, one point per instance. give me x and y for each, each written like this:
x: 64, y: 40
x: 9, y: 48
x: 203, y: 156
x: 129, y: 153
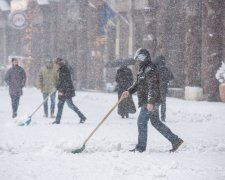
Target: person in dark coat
x: 16, y: 79
x: 65, y: 92
x: 147, y: 88
x: 124, y: 78
x: 165, y: 76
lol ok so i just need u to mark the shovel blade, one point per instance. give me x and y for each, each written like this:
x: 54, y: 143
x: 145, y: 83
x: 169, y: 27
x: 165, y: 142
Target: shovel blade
x: 26, y: 122
x: 80, y: 150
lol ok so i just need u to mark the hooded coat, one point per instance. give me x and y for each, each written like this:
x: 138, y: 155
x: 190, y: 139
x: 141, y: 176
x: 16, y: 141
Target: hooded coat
x: 147, y: 83
x: 124, y: 78
x: 16, y: 79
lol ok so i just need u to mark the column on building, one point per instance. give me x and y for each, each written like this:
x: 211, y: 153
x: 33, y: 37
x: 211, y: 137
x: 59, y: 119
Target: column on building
x: 72, y: 13
x: 83, y: 54
x: 223, y: 33
x: 52, y: 25
x: 212, y: 46
x: 3, y: 42
x: 193, y: 44
x: 111, y: 44
x: 61, y: 29
x: 192, y: 56
x: 161, y: 15
x: 174, y: 40
x: 149, y: 34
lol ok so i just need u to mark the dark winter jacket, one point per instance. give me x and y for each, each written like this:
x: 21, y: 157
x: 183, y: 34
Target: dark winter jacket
x: 146, y: 85
x: 165, y: 75
x: 124, y: 78
x: 65, y: 84
x: 16, y: 79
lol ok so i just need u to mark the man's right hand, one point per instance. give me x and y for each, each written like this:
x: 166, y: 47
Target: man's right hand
x: 125, y: 94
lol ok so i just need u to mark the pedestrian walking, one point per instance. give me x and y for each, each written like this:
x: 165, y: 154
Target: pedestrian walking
x: 165, y: 76
x: 65, y: 91
x: 16, y: 79
x: 47, y: 82
x: 148, y: 92
x: 124, y: 79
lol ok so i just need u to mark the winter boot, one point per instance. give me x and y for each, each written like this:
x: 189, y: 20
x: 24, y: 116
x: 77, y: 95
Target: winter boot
x: 176, y: 145
x: 52, y: 115
x: 55, y: 122
x: 82, y: 120
x: 139, y: 149
x: 14, y: 115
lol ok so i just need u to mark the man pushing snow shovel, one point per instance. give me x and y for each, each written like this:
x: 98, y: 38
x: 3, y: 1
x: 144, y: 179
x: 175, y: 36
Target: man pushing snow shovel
x: 147, y: 88
x: 65, y: 92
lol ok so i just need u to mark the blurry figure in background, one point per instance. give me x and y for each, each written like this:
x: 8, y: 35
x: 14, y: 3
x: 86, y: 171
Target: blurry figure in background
x: 65, y: 91
x: 46, y: 82
x: 165, y: 76
x: 124, y: 78
x: 16, y: 79
x: 2, y: 75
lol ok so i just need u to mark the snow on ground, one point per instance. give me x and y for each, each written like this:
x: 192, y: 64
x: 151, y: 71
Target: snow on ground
x: 42, y: 151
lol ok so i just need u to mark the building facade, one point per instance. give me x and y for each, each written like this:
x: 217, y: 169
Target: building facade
x: 189, y: 33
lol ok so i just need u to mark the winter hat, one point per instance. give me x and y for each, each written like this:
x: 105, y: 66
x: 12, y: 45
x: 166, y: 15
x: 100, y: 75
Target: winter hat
x: 59, y: 61
x: 142, y: 55
x: 13, y: 59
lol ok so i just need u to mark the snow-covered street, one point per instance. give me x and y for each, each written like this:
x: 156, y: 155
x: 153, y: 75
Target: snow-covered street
x: 42, y: 151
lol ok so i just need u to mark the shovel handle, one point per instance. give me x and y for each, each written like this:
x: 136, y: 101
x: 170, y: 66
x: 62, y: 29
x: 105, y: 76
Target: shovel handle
x: 101, y: 122
x: 42, y: 103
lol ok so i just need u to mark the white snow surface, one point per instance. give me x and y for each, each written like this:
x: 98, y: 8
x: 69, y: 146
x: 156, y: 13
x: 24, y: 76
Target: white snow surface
x: 42, y: 151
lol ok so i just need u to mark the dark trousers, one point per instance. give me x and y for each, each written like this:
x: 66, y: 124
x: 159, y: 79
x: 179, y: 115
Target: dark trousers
x: 71, y: 106
x: 15, y: 100
x: 52, y: 106
x: 163, y: 110
x: 142, y: 123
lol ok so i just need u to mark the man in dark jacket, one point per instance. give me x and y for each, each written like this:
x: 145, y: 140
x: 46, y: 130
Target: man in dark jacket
x: 147, y: 87
x: 165, y: 76
x: 65, y: 91
x: 15, y: 78
x: 124, y: 78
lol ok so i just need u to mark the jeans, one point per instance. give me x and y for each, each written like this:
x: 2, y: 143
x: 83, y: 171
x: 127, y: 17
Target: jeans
x: 52, y: 97
x: 71, y: 106
x: 142, y: 123
x: 15, y: 103
x: 163, y: 111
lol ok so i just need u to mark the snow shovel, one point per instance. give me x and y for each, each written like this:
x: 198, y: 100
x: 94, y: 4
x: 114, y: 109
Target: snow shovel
x: 28, y: 120
x: 99, y: 124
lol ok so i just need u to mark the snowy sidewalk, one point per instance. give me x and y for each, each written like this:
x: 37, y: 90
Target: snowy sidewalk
x: 42, y: 151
